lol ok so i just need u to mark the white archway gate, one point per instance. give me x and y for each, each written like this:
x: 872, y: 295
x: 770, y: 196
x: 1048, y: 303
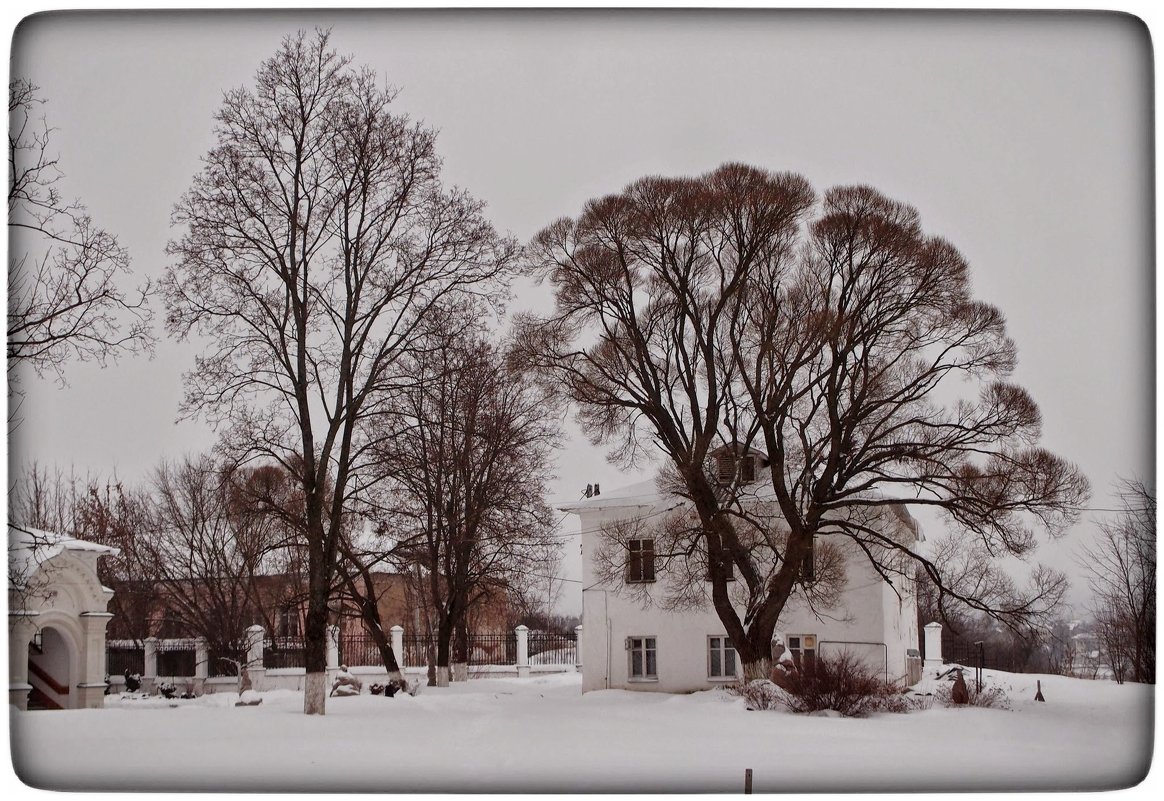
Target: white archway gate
x: 56, y: 621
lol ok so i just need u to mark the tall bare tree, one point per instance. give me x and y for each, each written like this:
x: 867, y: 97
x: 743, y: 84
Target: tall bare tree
x: 736, y: 311
x: 66, y: 293
x: 206, y: 548
x: 316, y: 237
x: 469, y: 448
x: 1121, y: 569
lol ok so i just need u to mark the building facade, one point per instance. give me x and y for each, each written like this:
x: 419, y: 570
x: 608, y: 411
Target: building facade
x: 632, y: 640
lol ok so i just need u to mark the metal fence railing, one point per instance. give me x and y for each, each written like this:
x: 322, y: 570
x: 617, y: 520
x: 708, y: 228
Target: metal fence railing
x: 223, y: 662
x: 484, y: 649
x: 360, y: 649
x: 120, y: 660
x: 177, y: 657
x: 552, y: 649
x: 283, y: 652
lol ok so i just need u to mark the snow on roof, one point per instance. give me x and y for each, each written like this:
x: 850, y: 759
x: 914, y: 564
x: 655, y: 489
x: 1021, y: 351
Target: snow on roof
x: 646, y: 494
x: 30, y: 547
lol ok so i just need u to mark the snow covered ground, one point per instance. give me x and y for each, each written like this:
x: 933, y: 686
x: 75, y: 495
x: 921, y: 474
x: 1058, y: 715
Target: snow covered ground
x: 541, y: 734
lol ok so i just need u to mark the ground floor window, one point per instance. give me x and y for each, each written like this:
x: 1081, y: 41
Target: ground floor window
x: 721, y: 658
x: 803, y: 650
x: 643, y: 663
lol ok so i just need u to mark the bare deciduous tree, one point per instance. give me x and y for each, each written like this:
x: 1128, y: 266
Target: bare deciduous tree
x: 469, y: 449
x: 316, y: 238
x: 205, y: 548
x: 66, y: 298
x: 736, y: 311
x: 1121, y: 569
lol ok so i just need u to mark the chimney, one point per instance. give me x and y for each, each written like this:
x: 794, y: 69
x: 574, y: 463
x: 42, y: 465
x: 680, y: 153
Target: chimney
x: 589, y: 491
x: 595, y: 489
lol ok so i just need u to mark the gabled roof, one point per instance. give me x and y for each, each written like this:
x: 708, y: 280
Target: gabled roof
x: 646, y: 495
x: 642, y: 494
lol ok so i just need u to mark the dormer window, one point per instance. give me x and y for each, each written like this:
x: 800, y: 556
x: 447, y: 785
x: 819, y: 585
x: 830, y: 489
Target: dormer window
x: 727, y: 462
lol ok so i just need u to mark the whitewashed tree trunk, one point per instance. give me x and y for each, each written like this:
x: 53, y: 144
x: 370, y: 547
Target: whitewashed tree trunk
x: 315, y: 694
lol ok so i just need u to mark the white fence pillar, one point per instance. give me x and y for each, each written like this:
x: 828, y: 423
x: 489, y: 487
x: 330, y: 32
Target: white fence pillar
x: 255, y: 636
x: 578, y: 649
x: 522, y: 652
x: 150, y: 677
x: 201, y: 664
x: 333, y: 633
x: 398, y: 644
x: 201, y: 658
x: 256, y: 673
x: 933, y: 645
x: 150, y: 653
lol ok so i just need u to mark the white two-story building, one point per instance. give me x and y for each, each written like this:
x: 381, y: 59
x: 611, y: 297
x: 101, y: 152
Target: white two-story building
x: 632, y: 640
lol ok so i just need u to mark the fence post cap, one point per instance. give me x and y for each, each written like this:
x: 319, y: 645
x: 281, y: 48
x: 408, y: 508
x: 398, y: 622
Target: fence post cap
x: 397, y: 628
x: 522, y: 627
x: 255, y: 627
x: 932, y: 625
x: 578, y: 628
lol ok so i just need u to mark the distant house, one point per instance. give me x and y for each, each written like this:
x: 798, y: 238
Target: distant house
x: 56, y: 621
x: 630, y: 642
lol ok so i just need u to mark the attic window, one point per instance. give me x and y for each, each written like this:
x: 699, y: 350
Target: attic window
x: 726, y: 468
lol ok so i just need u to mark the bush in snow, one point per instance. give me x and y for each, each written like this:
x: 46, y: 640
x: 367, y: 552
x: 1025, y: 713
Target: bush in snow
x: 760, y: 694
x: 843, y: 683
x: 987, y: 697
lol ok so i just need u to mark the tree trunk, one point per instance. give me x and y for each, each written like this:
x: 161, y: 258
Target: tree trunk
x: 461, y: 652
x: 315, y: 638
x: 444, y: 641
x: 370, y: 615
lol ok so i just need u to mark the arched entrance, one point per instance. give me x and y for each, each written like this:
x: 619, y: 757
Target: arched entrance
x: 50, y: 659
x: 56, y: 621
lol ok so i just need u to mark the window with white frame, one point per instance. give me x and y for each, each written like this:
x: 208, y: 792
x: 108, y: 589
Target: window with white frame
x: 642, y: 658
x: 640, y: 560
x: 803, y: 650
x: 721, y: 658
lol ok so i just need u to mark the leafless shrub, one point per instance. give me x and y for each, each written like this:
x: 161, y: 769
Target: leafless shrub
x: 761, y: 694
x: 844, y: 683
x: 988, y: 697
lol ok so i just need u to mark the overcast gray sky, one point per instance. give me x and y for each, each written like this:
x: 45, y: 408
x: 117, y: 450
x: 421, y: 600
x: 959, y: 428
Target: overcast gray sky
x: 1023, y: 138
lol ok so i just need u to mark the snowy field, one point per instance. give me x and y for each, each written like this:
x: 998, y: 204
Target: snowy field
x: 542, y: 735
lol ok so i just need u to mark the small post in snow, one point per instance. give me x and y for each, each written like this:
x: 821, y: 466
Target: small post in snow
x: 748, y: 781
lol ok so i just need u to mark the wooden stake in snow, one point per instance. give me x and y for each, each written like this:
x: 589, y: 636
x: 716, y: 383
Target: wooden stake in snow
x: 747, y: 781
x: 1039, y: 690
